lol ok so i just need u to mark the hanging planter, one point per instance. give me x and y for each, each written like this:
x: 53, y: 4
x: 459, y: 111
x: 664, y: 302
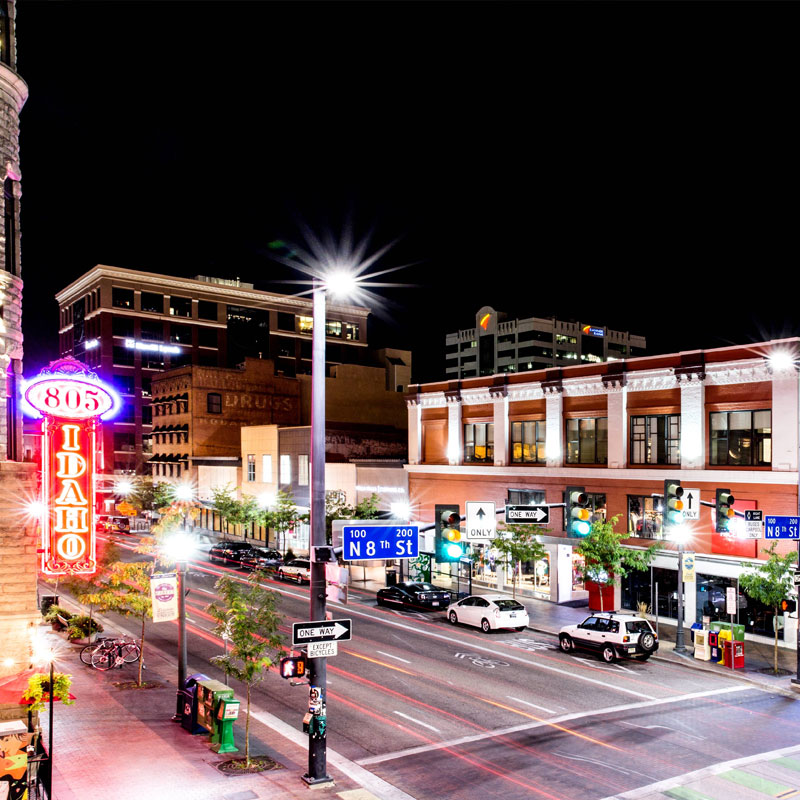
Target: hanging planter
x: 38, y: 692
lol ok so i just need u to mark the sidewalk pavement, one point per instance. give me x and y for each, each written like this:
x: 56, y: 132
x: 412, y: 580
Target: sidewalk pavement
x: 121, y: 742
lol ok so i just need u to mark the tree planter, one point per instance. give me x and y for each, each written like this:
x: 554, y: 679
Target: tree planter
x: 238, y: 766
x: 601, y: 596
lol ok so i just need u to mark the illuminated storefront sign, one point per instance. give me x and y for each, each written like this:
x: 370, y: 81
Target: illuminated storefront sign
x: 71, y: 401
x: 592, y: 331
x: 152, y: 347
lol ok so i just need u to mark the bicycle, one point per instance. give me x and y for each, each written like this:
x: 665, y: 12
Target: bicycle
x: 109, y: 652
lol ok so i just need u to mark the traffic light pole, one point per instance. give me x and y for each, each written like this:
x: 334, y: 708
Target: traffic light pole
x: 317, y: 672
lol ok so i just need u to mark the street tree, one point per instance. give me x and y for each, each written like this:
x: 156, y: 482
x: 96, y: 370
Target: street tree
x: 283, y: 516
x: 126, y: 591
x: 337, y: 508
x: 150, y: 496
x: 770, y: 583
x: 516, y: 544
x: 606, y: 560
x: 246, y: 614
x: 234, y: 511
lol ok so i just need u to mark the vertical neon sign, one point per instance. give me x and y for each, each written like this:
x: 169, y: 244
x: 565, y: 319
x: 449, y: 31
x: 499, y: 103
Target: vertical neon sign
x: 71, y: 400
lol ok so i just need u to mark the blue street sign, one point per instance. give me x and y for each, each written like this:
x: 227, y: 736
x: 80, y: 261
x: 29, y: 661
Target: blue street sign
x: 376, y: 542
x: 781, y: 527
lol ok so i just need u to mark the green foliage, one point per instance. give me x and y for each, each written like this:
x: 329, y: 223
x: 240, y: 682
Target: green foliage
x: 39, y: 688
x: 148, y: 495
x: 336, y: 509
x: 53, y: 613
x: 770, y: 583
x: 126, y: 591
x: 516, y: 544
x: 283, y: 516
x: 246, y: 614
x: 606, y: 561
x: 82, y: 626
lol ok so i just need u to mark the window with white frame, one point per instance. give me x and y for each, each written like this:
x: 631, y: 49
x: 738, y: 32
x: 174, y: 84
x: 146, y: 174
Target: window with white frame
x: 286, y: 469
x: 251, y: 467
x: 266, y: 468
x: 302, y: 469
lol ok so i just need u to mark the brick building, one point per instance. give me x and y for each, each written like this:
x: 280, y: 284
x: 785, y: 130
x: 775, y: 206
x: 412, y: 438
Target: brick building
x: 718, y: 418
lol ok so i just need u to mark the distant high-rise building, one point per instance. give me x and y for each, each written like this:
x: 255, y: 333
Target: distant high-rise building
x: 497, y: 345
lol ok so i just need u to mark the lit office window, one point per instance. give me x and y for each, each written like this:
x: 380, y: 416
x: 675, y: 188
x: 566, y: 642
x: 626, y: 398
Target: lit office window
x: 741, y: 438
x: 286, y: 469
x: 251, y: 467
x: 305, y: 324
x: 479, y: 442
x: 528, y: 442
x: 656, y: 439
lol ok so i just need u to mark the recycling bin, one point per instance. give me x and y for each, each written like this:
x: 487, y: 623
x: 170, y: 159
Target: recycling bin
x: 210, y: 694
x: 734, y: 654
x: 696, y: 626
x: 188, y: 704
x: 702, y: 649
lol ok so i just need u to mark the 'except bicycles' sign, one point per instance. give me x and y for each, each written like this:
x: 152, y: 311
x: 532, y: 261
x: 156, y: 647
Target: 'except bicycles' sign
x: 71, y: 400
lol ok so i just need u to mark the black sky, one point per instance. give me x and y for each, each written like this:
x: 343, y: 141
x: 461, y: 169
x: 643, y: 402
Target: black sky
x: 595, y: 162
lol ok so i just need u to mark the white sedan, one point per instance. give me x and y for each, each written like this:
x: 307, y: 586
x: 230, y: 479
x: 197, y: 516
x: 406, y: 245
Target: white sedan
x: 298, y: 570
x: 488, y: 612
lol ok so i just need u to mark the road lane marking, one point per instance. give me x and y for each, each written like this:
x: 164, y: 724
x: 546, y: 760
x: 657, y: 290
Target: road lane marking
x: 391, y: 656
x: 418, y: 722
x: 532, y: 705
x: 550, y: 722
x: 604, y: 764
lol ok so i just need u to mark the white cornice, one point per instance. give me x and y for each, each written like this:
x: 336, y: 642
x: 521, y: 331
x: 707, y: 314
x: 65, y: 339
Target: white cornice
x: 13, y: 85
x: 167, y: 283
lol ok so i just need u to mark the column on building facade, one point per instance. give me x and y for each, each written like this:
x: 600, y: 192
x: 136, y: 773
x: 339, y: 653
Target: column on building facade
x: 785, y: 418
x: 617, y: 395
x: 502, y: 431
x: 554, y: 425
x: 693, y: 420
x: 414, y: 431
x: 455, y: 429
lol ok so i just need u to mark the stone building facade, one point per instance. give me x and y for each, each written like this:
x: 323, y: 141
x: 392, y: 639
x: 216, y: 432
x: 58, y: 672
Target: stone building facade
x: 18, y: 543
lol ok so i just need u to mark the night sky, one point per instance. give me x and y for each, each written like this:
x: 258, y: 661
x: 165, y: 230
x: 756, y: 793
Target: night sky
x: 593, y: 162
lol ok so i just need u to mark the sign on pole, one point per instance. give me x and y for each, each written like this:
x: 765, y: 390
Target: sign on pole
x: 536, y: 515
x: 481, y: 522
x: 781, y: 527
x: 688, y: 567
x: 322, y: 649
x: 691, y: 503
x: 368, y: 540
x: 335, y: 630
x: 754, y: 523
x: 730, y: 601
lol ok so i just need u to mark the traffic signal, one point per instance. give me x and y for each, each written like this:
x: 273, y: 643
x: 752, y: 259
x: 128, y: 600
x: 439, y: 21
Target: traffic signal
x: 725, y: 513
x: 788, y: 606
x: 450, y: 545
x: 672, y: 513
x: 577, y: 513
x: 293, y: 666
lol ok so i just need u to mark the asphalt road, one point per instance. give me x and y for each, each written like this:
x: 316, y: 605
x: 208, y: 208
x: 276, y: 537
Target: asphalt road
x: 443, y: 711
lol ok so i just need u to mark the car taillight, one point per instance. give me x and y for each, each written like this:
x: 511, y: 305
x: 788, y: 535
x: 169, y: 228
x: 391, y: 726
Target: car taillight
x: 626, y: 638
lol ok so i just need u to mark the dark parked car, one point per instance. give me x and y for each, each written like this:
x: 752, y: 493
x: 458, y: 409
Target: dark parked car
x: 229, y: 552
x: 260, y: 558
x: 420, y: 596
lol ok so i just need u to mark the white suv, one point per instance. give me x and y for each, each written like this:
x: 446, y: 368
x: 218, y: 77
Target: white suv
x: 613, y: 635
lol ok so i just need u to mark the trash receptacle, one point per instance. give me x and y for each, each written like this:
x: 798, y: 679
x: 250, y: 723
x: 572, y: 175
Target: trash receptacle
x: 696, y: 626
x: 391, y: 577
x: 189, y: 703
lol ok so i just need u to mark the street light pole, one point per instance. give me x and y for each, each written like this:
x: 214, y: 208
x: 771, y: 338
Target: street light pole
x: 680, y: 647
x: 181, y: 640
x: 317, y: 672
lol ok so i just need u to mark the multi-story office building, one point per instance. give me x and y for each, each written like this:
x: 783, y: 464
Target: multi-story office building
x: 130, y: 326
x: 716, y: 419
x: 497, y: 345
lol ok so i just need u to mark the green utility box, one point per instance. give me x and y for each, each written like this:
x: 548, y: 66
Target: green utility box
x: 215, y: 711
x: 738, y: 630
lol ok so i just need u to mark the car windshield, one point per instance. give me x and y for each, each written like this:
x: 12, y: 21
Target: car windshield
x: 638, y: 626
x: 422, y: 587
x: 509, y: 605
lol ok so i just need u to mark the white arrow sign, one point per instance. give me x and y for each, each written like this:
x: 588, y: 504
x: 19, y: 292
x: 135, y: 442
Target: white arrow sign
x: 691, y: 503
x: 481, y: 522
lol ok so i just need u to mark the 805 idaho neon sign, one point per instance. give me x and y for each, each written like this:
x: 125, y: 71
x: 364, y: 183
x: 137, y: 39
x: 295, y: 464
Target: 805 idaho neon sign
x: 71, y: 401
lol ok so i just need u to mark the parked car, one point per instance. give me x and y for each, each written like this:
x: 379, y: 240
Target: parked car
x: 489, y: 612
x: 203, y: 542
x: 410, y: 594
x: 612, y: 635
x: 298, y: 570
x: 261, y: 558
x: 229, y: 552
x: 108, y: 524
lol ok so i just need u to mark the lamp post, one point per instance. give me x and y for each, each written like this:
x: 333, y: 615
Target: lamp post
x: 179, y: 549
x: 679, y: 535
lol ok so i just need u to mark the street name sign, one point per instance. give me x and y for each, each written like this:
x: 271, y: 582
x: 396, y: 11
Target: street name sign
x: 536, y: 515
x: 781, y: 527
x: 754, y: 523
x: 366, y: 541
x: 322, y: 649
x: 335, y: 630
x: 481, y: 522
x: 691, y: 503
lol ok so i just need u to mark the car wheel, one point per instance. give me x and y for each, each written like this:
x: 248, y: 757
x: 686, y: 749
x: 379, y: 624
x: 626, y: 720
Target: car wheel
x: 453, y: 618
x: 520, y: 629
x: 647, y: 642
x: 608, y: 655
x: 644, y: 656
x: 485, y: 626
x: 565, y: 643
x: 379, y: 601
x: 281, y: 575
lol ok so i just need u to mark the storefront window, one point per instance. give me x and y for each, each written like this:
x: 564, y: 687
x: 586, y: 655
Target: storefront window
x: 711, y: 602
x: 665, y: 591
x: 577, y: 572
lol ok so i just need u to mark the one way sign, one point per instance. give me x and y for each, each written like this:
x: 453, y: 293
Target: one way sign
x: 481, y: 522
